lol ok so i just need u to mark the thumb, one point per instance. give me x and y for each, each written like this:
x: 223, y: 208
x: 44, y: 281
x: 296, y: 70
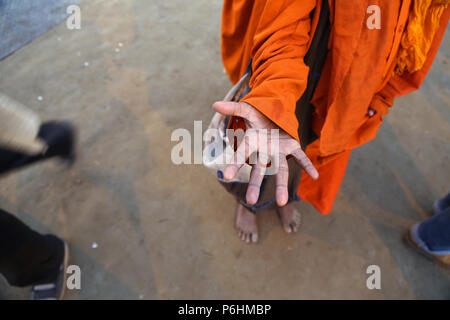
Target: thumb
x: 227, y: 108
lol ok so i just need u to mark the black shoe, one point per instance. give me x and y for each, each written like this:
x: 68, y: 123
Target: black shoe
x: 60, y: 137
x: 55, y: 287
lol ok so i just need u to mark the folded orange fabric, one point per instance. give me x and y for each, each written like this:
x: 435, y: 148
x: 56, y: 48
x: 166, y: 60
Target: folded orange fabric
x: 423, y: 23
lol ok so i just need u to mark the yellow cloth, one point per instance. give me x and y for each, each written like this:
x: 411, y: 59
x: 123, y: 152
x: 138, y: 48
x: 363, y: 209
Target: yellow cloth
x: 423, y: 23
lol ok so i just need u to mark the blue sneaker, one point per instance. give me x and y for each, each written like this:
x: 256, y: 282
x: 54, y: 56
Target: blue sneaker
x: 441, y: 204
x: 413, y: 239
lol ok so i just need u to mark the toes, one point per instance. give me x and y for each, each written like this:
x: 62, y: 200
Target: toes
x: 287, y: 228
x: 290, y: 219
x: 241, y: 235
x: 298, y: 219
x: 293, y: 226
x: 248, y: 237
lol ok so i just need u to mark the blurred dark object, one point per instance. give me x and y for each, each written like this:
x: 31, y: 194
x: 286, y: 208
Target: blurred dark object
x: 59, y: 136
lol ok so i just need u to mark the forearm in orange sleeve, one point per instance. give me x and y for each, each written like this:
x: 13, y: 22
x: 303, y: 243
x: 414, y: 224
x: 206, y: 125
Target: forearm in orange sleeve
x: 279, y: 72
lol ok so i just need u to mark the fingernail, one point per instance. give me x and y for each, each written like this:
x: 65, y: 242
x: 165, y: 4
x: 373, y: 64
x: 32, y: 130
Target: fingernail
x: 282, y: 202
x: 230, y: 172
x: 251, y: 199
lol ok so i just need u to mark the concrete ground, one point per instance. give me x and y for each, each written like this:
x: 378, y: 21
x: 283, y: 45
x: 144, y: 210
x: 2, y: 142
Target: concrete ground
x: 166, y: 231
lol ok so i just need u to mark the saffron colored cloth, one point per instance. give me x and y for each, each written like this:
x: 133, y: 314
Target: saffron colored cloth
x: 423, y: 23
x: 357, y: 74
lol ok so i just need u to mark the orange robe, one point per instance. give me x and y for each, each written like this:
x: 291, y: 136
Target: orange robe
x: 358, y: 74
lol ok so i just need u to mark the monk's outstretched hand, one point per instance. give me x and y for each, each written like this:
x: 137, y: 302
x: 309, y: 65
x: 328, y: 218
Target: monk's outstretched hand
x: 251, y: 144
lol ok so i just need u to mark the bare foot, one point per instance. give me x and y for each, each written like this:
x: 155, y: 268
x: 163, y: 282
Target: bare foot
x: 246, y: 224
x: 290, y: 218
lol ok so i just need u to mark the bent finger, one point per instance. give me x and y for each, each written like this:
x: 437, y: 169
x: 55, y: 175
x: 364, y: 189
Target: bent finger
x: 303, y: 160
x: 254, y: 186
x: 282, y: 178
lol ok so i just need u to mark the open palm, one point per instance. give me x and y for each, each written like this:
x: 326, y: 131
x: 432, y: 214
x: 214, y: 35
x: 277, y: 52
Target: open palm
x: 251, y: 144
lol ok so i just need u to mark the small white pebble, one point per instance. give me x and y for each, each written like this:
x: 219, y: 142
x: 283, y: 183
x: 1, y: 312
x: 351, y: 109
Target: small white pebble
x: 94, y: 245
x: 117, y: 49
x: 86, y: 64
x: 40, y: 98
x: 120, y: 44
x: 59, y: 39
x: 78, y: 53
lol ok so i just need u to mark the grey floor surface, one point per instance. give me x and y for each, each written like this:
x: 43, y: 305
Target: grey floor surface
x: 21, y: 21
